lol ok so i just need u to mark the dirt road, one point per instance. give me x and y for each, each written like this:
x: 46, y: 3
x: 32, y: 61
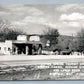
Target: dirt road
x: 33, y: 60
x: 41, y: 67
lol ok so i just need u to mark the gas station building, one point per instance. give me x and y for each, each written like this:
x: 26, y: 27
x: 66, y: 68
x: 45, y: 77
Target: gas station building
x: 22, y: 46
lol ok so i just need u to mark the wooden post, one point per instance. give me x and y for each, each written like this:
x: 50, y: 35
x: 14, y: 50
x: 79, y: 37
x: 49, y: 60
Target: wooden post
x: 16, y: 50
x: 40, y: 49
x: 27, y: 50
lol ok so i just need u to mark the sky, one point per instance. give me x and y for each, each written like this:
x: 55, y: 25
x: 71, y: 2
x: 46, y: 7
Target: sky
x: 34, y: 19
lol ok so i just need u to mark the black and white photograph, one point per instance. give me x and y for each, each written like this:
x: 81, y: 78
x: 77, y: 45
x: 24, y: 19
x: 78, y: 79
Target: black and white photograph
x: 42, y: 42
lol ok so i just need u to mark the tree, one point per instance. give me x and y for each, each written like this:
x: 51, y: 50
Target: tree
x: 80, y: 40
x: 51, y: 35
x: 6, y: 32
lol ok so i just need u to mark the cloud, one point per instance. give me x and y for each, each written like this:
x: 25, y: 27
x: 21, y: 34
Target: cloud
x: 36, y: 20
x: 30, y: 19
x: 71, y: 17
x: 35, y: 12
x: 25, y: 9
x: 71, y: 24
x: 63, y: 26
x: 66, y: 18
x: 18, y: 12
x: 73, y: 20
x: 69, y: 27
x: 33, y: 24
x: 69, y: 7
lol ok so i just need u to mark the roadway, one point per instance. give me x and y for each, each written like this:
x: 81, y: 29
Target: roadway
x: 39, y: 59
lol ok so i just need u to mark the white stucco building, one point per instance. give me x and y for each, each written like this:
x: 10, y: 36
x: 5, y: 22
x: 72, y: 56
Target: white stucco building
x: 6, y: 47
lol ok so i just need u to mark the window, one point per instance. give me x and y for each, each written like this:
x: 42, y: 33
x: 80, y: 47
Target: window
x: 0, y: 48
x: 14, y: 50
x: 8, y: 49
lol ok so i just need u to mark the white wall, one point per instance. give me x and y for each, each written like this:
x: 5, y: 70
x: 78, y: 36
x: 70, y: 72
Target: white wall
x: 2, y: 46
x: 8, y: 44
x: 6, y: 47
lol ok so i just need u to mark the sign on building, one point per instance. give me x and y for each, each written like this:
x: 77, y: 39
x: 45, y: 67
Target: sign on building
x: 22, y: 37
x: 34, y: 38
